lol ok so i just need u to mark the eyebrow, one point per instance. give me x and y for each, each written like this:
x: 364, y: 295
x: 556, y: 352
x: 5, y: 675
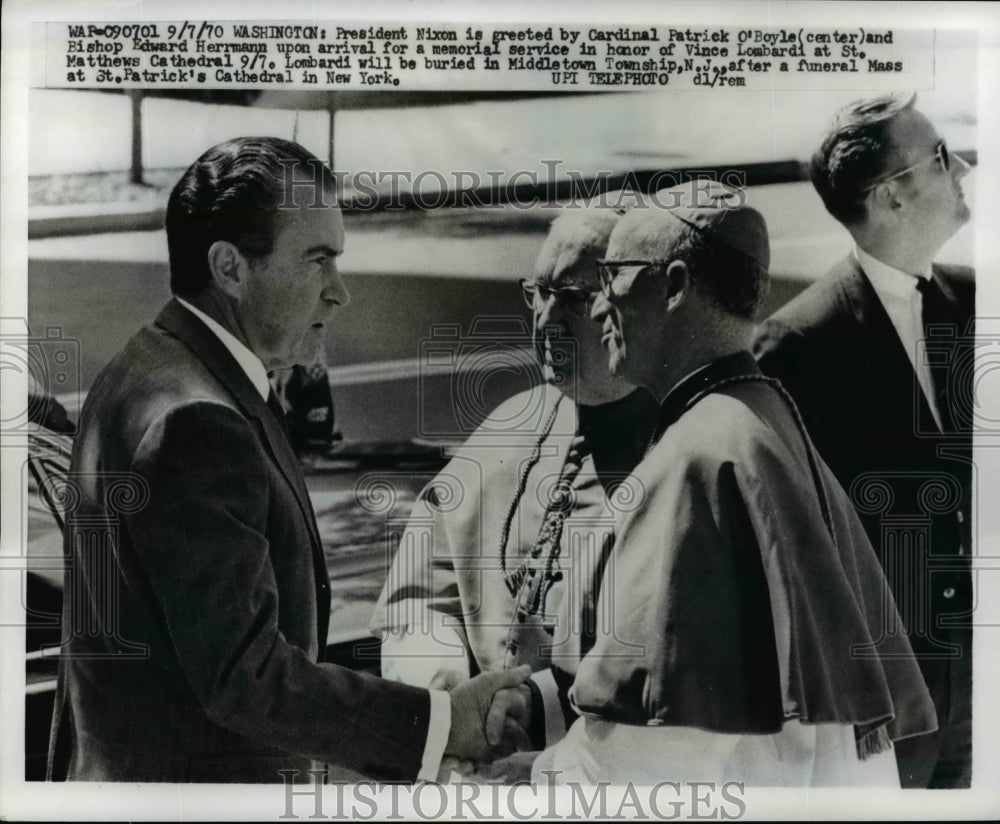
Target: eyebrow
x: 322, y: 247
x: 552, y: 283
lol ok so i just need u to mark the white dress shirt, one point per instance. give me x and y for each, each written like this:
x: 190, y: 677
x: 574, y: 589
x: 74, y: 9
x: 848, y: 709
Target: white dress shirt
x: 247, y: 360
x: 903, y: 304
x: 439, y: 723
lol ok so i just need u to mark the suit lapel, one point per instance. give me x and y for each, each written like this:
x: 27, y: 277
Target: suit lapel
x: 209, y: 349
x: 961, y: 296
x: 890, y: 372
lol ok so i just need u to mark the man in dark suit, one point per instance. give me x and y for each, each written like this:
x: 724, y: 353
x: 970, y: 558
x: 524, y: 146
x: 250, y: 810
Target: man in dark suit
x: 197, y: 598
x: 878, y: 356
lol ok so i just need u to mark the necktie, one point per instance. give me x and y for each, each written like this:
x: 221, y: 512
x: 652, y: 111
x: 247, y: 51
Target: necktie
x: 279, y: 413
x: 941, y: 335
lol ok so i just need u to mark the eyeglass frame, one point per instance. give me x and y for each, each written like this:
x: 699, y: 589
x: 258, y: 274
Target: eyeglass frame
x: 607, y: 279
x: 941, y: 155
x: 534, y: 288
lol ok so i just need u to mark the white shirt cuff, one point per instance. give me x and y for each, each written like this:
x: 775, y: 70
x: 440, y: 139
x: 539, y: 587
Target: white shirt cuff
x: 438, y: 729
x: 555, y: 724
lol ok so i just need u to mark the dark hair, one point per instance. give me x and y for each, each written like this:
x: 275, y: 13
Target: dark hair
x: 734, y: 282
x: 233, y: 192
x: 853, y: 153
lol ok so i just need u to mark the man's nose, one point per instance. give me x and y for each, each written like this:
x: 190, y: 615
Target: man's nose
x: 959, y: 167
x: 602, y: 306
x: 548, y: 313
x: 335, y: 290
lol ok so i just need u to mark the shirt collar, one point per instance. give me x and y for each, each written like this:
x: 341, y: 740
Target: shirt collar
x: 886, y: 278
x: 247, y: 360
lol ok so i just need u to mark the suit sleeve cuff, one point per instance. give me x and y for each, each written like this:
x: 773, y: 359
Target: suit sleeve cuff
x: 438, y: 729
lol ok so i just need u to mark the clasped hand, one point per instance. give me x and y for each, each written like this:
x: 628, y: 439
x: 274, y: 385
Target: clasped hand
x: 489, y: 715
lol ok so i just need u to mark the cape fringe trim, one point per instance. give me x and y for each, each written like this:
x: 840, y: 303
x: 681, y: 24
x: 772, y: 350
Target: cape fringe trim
x: 873, y: 742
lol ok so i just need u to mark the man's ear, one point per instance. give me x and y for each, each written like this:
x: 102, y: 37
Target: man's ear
x: 228, y: 267
x: 676, y: 283
x: 885, y: 197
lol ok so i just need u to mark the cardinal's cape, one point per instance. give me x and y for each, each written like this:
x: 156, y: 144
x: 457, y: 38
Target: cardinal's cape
x: 742, y: 548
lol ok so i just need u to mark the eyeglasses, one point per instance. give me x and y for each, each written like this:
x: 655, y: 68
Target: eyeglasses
x: 609, y: 270
x: 575, y: 299
x: 941, y: 155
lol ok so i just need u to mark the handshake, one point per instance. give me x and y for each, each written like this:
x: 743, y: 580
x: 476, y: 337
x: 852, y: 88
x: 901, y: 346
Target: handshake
x: 489, y: 717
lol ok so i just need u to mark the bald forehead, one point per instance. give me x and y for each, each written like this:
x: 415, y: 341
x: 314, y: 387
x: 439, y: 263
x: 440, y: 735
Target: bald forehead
x: 647, y: 234
x: 575, y: 241
x: 570, y: 267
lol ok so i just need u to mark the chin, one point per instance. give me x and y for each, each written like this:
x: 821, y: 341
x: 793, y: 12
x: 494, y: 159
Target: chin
x: 309, y: 351
x: 620, y: 367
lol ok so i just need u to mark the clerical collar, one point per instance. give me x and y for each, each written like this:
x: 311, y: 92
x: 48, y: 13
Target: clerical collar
x: 701, y: 380
x: 609, y: 420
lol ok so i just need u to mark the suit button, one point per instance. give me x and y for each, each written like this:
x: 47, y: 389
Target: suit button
x: 961, y: 516
x: 949, y: 592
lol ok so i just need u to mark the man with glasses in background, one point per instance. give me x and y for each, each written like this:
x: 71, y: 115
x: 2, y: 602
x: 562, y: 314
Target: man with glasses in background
x: 512, y: 530
x: 878, y: 355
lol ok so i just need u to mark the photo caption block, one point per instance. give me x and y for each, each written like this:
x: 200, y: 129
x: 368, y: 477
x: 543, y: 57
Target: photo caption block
x: 226, y: 54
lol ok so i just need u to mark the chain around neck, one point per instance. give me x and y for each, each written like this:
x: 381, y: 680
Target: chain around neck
x: 522, y: 482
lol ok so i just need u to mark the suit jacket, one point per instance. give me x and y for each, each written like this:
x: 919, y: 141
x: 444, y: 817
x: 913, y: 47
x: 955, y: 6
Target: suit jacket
x: 835, y: 349
x: 196, y: 597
